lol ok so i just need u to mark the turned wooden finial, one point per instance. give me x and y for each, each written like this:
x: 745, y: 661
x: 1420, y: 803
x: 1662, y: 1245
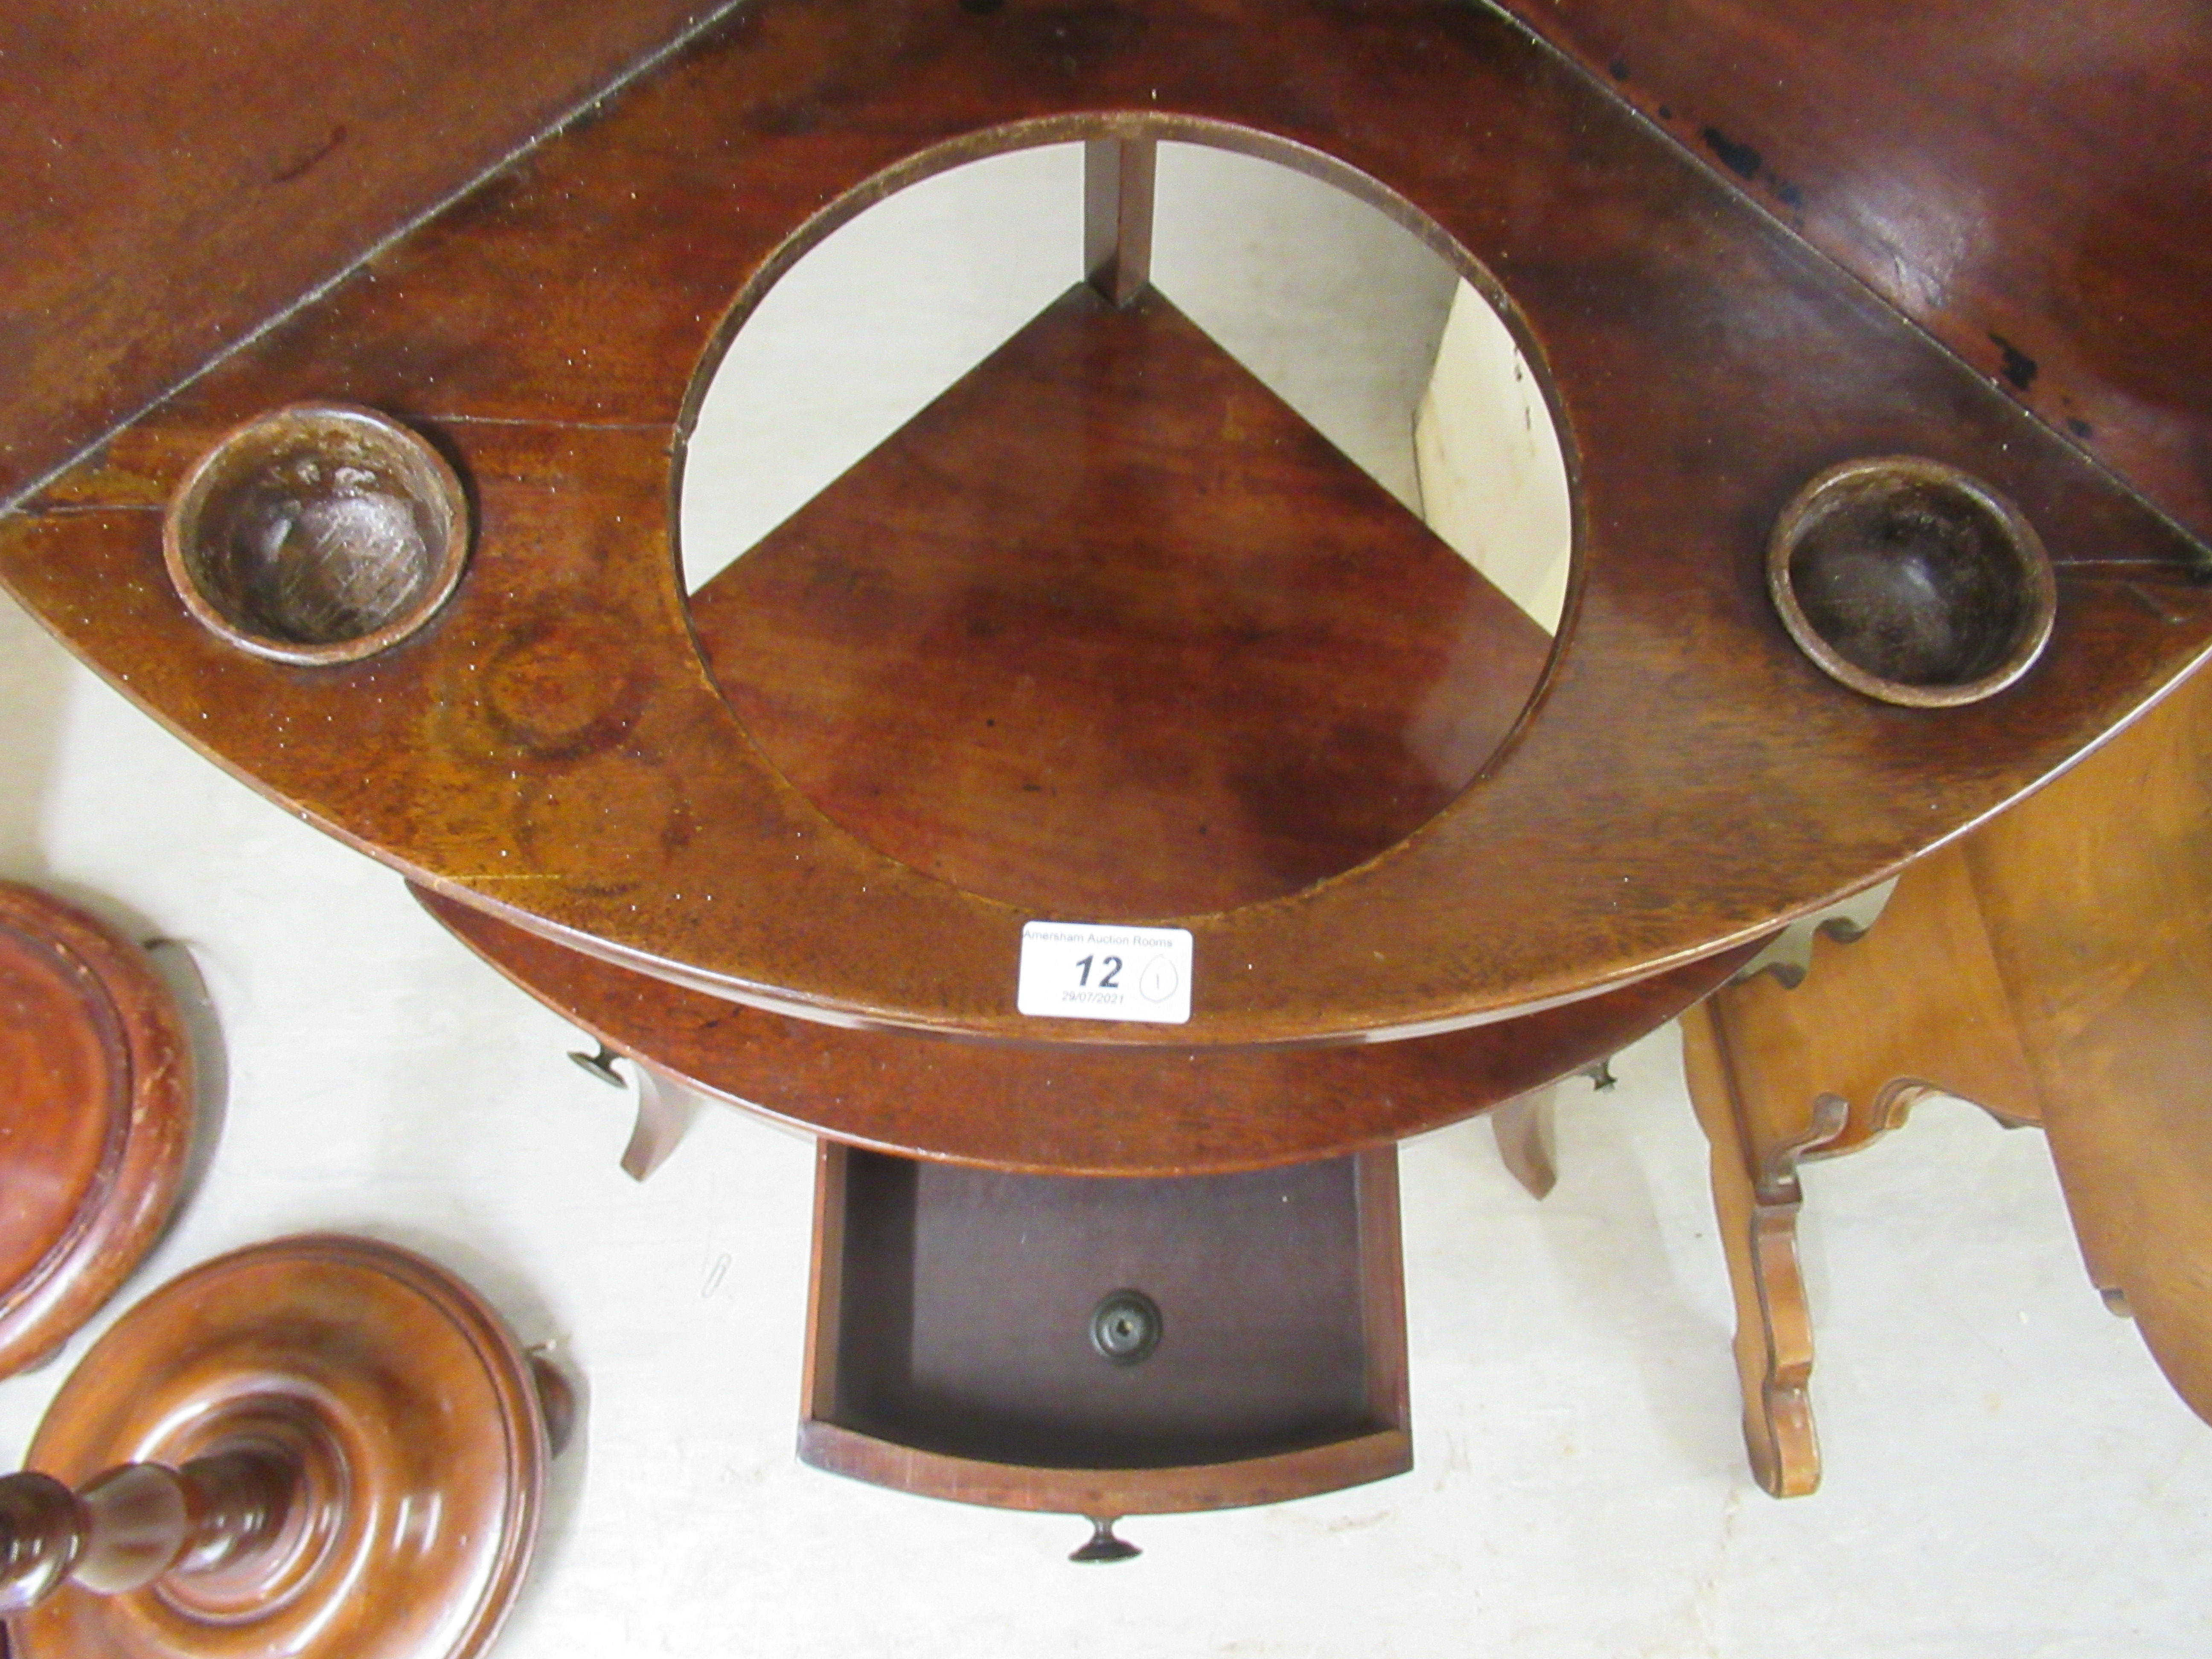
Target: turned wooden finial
x: 140, y: 1522
x: 323, y: 1447
x: 1103, y: 1547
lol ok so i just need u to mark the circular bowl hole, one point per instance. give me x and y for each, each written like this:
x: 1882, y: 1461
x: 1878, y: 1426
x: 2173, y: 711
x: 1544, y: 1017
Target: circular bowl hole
x: 1912, y: 581
x: 1132, y: 612
x: 318, y: 533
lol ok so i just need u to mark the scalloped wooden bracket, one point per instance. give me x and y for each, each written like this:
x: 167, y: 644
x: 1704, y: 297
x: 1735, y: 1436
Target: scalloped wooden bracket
x: 2050, y: 968
x: 1781, y: 1075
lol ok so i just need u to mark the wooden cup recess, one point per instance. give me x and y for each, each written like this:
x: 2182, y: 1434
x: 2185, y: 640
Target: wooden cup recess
x: 558, y: 748
x: 318, y: 533
x: 1912, y: 581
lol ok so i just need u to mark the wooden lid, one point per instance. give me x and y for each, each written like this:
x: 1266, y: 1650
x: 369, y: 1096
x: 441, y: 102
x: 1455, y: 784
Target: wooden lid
x: 97, y: 1075
x: 408, y: 1406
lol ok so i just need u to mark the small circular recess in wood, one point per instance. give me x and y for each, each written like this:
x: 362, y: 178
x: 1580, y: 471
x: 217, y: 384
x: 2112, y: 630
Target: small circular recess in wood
x: 318, y: 533
x: 96, y: 1076
x: 1912, y: 581
x: 356, y: 1447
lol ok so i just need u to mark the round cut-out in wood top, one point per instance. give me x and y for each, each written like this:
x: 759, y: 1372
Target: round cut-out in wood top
x: 1113, y: 627
x: 1109, y: 631
x: 1703, y: 367
x: 407, y: 1419
x: 318, y: 533
x: 95, y: 1072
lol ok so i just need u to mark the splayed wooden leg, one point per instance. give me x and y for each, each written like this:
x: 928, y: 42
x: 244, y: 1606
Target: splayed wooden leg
x: 1527, y: 1140
x: 666, y: 1111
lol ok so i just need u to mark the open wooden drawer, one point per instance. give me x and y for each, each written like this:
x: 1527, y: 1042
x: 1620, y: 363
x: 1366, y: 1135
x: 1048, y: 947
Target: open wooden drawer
x: 962, y: 1330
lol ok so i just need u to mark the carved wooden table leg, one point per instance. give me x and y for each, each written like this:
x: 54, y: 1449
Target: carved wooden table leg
x: 1755, y: 1199
x: 1779, y: 1075
x: 321, y: 1446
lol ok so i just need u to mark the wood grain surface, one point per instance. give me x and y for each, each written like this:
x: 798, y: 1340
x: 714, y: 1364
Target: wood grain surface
x: 96, y: 1129
x: 553, y: 749
x: 401, y: 1419
x: 1067, y: 1108
x: 2025, y: 179
x: 2097, y: 898
x: 2053, y: 969
x: 1208, y: 662
x: 170, y: 179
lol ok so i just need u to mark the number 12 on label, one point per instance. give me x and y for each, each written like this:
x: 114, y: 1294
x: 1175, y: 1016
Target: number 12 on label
x: 1084, y: 971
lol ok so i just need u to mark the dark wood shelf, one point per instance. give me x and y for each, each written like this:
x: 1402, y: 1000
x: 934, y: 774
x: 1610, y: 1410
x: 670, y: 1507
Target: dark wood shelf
x: 1066, y: 1108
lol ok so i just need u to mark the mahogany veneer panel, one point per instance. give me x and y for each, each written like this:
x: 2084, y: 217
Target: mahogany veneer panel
x: 171, y: 177
x: 2026, y: 179
x: 553, y: 749
x: 1209, y: 661
x: 949, y: 1352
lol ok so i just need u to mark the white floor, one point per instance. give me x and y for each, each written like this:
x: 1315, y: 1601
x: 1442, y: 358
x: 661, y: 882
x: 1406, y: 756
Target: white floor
x: 2007, y: 1473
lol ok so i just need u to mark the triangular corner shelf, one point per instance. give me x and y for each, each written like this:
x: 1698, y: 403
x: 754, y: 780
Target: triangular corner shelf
x: 1109, y: 628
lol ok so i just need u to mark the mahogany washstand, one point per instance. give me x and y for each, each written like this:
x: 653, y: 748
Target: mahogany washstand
x: 567, y: 749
